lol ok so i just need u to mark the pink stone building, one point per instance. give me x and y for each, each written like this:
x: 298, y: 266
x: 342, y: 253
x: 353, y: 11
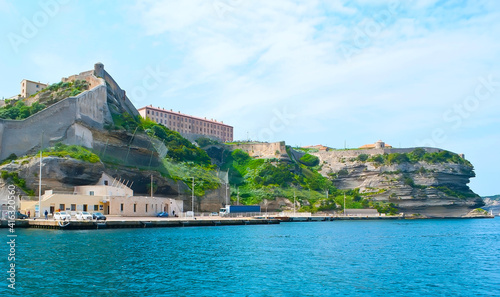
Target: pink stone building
x: 188, y: 126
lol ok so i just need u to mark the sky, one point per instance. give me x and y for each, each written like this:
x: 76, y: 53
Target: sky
x: 337, y: 73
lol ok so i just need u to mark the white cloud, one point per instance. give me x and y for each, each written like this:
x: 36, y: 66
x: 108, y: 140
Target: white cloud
x: 266, y: 55
x: 161, y: 16
x: 6, y: 7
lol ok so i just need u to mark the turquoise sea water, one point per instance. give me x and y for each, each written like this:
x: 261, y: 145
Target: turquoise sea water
x: 355, y: 258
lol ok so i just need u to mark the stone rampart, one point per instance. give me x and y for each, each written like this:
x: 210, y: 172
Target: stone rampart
x: 262, y: 149
x: 58, y: 122
x: 121, y: 95
x: 86, y: 76
x: 357, y: 152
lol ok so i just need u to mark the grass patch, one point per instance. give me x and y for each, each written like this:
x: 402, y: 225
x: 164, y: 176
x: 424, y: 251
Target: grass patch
x: 71, y: 151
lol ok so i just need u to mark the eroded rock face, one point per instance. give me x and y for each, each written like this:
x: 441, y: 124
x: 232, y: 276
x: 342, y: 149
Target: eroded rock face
x: 434, y: 190
x: 62, y: 174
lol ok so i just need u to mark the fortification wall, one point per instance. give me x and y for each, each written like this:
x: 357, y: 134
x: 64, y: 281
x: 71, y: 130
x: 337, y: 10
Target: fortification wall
x: 22, y: 137
x: 115, y: 88
x: 92, y: 107
x: 263, y: 150
x: 87, y: 76
x: 57, y: 122
x: 355, y: 153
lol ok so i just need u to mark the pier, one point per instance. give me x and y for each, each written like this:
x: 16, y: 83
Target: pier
x: 139, y: 222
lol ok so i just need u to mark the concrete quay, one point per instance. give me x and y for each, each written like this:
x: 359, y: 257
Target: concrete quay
x: 139, y: 222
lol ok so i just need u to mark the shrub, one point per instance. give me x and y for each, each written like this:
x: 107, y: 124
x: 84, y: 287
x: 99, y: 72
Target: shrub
x: 309, y: 160
x: 379, y: 159
x: 416, y: 155
x: 10, y: 158
x: 409, y: 181
x: 19, y: 110
x: 72, y: 151
x: 203, y: 141
x: 179, y: 148
x: 240, y: 156
x: 343, y: 172
x: 362, y: 157
x: 397, y: 158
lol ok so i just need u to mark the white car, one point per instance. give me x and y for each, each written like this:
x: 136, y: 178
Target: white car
x: 83, y: 215
x: 62, y: 215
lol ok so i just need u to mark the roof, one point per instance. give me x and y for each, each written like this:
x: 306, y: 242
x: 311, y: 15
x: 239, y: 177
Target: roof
x: 35, y: 82
x: 182, y: 114
x: 372, y: 145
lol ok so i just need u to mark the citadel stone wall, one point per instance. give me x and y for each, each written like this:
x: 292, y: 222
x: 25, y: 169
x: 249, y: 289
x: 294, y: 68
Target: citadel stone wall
x: 113, y: 85
x: 263, y: 150
x: 63, y: 121
x: 86, y: 76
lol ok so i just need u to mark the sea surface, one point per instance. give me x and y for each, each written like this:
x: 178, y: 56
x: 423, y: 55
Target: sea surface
x: 351, y: 258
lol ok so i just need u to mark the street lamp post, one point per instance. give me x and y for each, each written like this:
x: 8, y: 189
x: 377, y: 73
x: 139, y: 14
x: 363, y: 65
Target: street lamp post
x: 192, y: 197
x: 294, y: 203
x: 40, y: 180
x: 344, y: 204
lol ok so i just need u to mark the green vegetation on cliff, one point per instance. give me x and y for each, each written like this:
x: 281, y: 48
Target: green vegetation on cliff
x: 205, y: 178
x: 71, y: 151
x: 179, y: 148
x: 456, y: 193
x: 257, y: 179
x: 415, y: 156
x: 62, y: 90
x: 183, y: 160
x: 18, y: 110
x: 203, y: 141
x: 16, y: 180
x: 309, y: 160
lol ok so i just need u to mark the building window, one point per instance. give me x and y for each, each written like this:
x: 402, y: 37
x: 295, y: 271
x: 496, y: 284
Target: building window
x: 62, y: 207
x: 121, y: 207
x: 73, y: 207
x: 91, y: 193
x: 135, y: 207
x: 105, y: 182
x: 146, y: 208
x: 96, y: 207
x: 85, y: 207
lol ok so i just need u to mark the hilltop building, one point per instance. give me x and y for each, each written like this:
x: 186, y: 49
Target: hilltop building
x: 29, y: 87
x: 188, y: 126
x: 377, y: 145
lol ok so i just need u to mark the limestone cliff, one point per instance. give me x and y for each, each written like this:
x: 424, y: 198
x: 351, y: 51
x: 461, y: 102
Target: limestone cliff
x: 492, y: 204
x: 434, y: 188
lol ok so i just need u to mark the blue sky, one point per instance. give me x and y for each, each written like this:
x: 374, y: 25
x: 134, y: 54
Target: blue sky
x: 412, y: 73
